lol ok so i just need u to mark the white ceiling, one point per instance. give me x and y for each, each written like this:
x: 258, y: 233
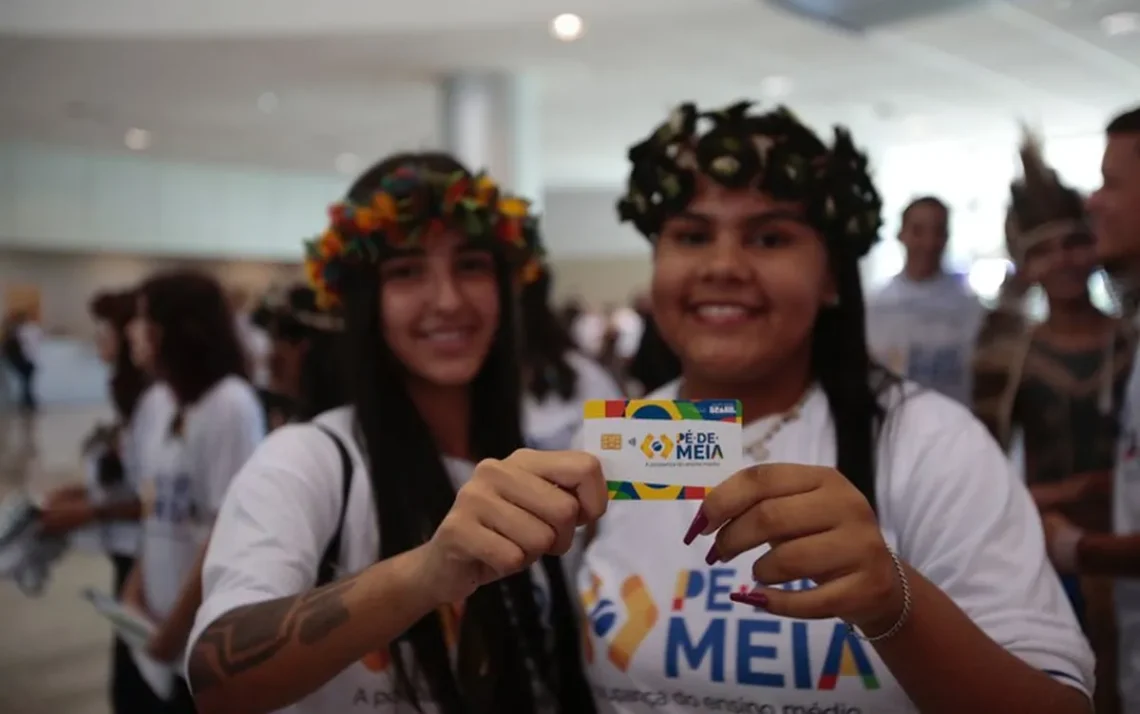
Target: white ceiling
x: 360, y: 76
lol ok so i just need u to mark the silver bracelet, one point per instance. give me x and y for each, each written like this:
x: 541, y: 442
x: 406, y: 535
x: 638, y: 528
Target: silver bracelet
x: 903, y: 616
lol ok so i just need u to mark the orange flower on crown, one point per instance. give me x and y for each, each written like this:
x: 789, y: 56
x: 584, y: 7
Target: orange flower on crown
x: 385, y: 207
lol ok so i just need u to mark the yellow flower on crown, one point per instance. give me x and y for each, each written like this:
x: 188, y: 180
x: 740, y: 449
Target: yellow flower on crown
x: 513, y: 207
x: 485, y: 189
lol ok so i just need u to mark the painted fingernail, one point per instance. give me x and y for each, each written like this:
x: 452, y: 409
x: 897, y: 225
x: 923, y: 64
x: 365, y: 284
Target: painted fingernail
x: 753, y: 599
x: 700, y: 522
x: 712, y: 557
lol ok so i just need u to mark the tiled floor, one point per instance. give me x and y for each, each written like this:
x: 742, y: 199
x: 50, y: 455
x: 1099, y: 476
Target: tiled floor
x: 53, y: 649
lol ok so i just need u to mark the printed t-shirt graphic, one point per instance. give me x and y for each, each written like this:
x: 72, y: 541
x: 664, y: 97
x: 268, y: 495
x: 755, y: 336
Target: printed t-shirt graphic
x: 663, y: 635
x: 926, y: 332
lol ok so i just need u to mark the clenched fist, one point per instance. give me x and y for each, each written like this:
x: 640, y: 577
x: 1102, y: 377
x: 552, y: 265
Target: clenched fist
x: 510, y: 514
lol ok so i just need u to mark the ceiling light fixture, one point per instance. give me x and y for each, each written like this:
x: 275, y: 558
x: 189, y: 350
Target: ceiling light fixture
x: 1120, y: 23
x: 347, y: 163
x: 567, y: 27
x: 137, y: 139
x: 268, y: 102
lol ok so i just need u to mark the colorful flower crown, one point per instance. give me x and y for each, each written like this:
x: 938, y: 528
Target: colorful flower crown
x: 411, y: 202
x: 772, y: 152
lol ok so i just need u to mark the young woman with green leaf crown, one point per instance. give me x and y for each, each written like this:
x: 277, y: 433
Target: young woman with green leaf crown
x: 876, y: 554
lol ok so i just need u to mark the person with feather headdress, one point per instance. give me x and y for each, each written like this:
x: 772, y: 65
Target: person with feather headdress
x: 1058, y: 383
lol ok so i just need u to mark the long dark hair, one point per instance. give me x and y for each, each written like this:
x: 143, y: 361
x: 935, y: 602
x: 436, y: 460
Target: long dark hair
x: 501, y: 638
x: 127, y: 382
x: 853, y: 383
x: 546, y: 342
x: 198, y: 346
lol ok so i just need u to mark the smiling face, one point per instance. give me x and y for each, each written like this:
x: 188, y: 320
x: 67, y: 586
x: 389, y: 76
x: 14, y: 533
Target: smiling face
x: 738, y: 280
x: 924, y: 233
x: 440, y: 309
x: 1062, y: 266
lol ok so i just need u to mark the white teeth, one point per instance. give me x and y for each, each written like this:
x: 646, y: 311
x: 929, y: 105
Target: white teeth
x: 447, y: 336
x: 721, y: 312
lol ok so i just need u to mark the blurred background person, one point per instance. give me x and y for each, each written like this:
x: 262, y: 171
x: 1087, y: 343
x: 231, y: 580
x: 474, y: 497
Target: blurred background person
x: 557, y: 377
x: 21, y: 347
x: 1115, y: 212
x: 654, y: 364
x: 190, y: 332
x: 1059, y: 383
x: 254, y: 340
x: 305, y: 360
x: 107, y: 502
x: 923, y: 324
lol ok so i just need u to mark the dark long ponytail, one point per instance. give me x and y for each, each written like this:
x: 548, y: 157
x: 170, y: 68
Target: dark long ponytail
x: 502, y: 644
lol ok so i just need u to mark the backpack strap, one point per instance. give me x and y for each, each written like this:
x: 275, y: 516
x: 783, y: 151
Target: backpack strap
x: 327, y: 570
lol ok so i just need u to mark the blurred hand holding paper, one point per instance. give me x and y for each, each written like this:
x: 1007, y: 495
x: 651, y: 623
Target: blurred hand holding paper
x: 663, y: 450
x: 136, y: 630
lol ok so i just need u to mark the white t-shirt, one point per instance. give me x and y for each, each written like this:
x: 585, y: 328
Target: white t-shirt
x: 140, y: 436
x: 1126, y: 521
x: 185, y: 479
x: 664, y: 636
x: 552, y: 423
x: 280, y: 515
x: 926, y: 331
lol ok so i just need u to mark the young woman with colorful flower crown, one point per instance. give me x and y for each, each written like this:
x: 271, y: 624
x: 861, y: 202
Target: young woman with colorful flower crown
x: 876, y: 555
x: 346, y: 570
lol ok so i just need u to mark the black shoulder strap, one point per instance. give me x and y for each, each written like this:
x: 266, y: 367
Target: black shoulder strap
x: 327, y: 570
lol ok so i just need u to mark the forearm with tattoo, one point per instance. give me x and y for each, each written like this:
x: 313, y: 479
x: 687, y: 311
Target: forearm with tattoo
x: 251, y: 635
x: 270, y: 655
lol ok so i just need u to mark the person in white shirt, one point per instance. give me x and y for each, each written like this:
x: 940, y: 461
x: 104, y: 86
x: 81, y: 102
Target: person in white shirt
x: 923, y: 324
x: 364, y: 561
x: 108, y: 499
x: 876, y: 555
x: 1115, y: 212
x: 558, y: 379
x: 215, y: 424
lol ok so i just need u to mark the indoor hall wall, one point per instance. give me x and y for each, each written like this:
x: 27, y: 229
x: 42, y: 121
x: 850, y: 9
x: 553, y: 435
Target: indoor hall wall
x: 67, y: 281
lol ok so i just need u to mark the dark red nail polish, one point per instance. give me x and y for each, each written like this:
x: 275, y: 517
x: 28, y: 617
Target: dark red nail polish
x: 753, y: 599
x: 700, y: 522
x: 712, y: 557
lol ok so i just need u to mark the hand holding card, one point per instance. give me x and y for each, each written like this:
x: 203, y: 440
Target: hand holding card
x: 511, y: 513
x: 663, y: 450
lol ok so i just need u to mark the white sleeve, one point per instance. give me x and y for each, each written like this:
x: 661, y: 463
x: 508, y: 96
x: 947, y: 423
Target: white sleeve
x: 970, y: 527
x: 594, y: 381
x: 274, y: 525
x: 229, y: 438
